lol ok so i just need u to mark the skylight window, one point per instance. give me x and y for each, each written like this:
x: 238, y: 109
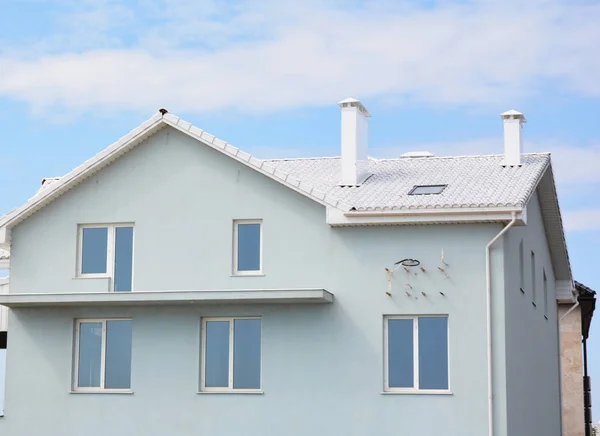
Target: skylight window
x: 427, y: 189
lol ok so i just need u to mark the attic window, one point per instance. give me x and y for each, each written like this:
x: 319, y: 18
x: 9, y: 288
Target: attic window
x: 427, y: 189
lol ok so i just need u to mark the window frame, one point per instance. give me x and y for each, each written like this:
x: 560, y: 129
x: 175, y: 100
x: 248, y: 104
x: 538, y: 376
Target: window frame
x: 386, y: 375
x: 110, y: 253
x: 229, y: 388
x: 415, y: 188
x: 236, y: 224
x: 99, y: 389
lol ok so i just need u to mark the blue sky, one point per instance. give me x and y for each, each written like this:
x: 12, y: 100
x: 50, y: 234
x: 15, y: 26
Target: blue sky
x: 75, y: 75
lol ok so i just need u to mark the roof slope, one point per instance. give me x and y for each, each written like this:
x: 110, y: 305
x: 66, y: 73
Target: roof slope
x: 479, y: 182
x: 472, y: 181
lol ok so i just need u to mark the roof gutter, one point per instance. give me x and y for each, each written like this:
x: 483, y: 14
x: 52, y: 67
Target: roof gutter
x: 336, y: 217
x: 435, y: 211
x: 488, y: 287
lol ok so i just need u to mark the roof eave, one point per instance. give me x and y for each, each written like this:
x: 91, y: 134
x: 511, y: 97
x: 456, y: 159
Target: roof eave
x: 426, y: 216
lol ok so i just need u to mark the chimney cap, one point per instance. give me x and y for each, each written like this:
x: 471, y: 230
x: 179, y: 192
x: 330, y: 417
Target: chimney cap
x: 352, y: 102
x: 513, y: 114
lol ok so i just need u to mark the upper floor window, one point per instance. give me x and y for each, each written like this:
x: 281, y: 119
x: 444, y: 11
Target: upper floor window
x: 107, y: 251
x: 247, y: 247
x: 416, y: 353
x: 545, y: 294
x: 103, y: 355
x: 521, y: 267
x: 231, y: 354
x: 533, y: 281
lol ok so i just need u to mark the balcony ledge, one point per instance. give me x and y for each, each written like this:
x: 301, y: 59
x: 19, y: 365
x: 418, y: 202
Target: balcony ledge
x: 228, y: 296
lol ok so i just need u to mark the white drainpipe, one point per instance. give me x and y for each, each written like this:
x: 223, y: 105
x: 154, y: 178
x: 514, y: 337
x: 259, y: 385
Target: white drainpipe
x: 573, y: 307
x: 488, y: 286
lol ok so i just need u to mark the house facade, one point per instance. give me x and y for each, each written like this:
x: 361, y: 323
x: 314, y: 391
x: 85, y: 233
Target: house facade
x: 575, y: 320
x: 174, y: 284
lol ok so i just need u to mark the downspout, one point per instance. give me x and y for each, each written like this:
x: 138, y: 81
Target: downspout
x: 488, y: 289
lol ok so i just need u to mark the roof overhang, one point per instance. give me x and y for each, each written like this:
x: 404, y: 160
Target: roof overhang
x: 244, y: 296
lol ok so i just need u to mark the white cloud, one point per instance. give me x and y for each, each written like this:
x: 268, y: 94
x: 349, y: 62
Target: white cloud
x: 266, y: 55
x: 581, y: 220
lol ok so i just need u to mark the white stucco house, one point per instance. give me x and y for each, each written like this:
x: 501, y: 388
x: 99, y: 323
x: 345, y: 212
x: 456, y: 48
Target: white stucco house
x: 329, y: 296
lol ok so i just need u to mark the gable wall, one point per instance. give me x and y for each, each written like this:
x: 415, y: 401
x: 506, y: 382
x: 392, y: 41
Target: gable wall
x: 322, y: 365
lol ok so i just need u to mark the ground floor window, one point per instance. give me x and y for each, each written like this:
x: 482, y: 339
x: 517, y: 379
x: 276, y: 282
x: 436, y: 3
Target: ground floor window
x: 231, y: 354
x: 103, y: 354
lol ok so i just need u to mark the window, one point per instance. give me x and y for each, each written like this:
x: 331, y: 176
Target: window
x: 2, y: 370
x: 427, y: 189
x: 533, y: 290
x: 103, y: 355
x: 545, y: 295
x: 521, y: 268
x: 416, y: 353
x: 107, y: 251
x: 231, y: 354
x: 247, y: 247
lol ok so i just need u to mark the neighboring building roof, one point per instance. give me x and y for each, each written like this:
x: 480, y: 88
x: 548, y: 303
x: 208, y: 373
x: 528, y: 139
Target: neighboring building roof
x: 587, y: 301
x: 472, y: 181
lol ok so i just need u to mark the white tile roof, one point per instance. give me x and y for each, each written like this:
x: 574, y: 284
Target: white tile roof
x: 472, y: 181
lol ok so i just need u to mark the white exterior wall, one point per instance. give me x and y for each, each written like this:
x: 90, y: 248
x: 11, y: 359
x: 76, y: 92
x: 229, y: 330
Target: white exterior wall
x: 3, y: 310
x: 533, y: 400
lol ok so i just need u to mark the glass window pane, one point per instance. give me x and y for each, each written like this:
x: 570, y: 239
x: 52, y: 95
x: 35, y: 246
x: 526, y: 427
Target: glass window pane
x: 123, y: 258
x: 93, y: 250
x: 2, y: 378
x: 248, y: 247
x: 90, y: 354
x: 118, y: 355
x: 433, y: 353
x: 246, y: 354
x: 400, y: 353
x: 216, y: 366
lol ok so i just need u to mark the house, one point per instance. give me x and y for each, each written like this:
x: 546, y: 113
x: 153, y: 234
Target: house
x: 176, y: 285
x: 575, y: 320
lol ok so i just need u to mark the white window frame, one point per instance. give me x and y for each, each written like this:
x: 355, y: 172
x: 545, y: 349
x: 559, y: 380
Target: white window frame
x: 386, y: 374
x: 230, y: 387
x: 110, y: 252
x: 258, y: 272
x: 101, y: 388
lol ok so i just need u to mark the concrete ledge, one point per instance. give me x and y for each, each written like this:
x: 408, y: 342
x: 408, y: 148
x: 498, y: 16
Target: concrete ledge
x: 245, y: 296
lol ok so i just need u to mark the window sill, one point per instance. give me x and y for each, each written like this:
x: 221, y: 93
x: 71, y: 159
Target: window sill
x: 415, y: 392
x: 259, y: 274
x: 247, y: 392
x: 104, y: 391
x: 91, y: 276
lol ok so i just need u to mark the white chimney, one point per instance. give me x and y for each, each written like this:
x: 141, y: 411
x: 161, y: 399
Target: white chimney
x: 513, y: 133
x: 354, y: 141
